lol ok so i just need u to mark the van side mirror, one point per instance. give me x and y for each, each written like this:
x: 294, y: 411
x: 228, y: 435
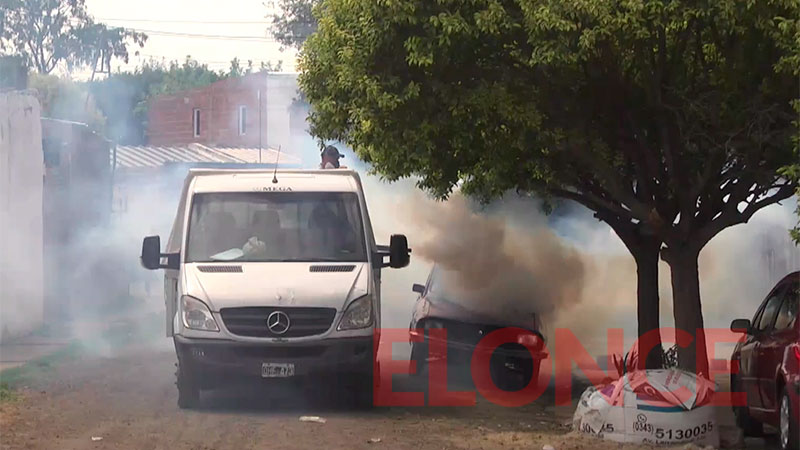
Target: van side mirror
x: 151, y: 253
x: 418, y: 288
x: 741, y: 326
x: 399, y: 253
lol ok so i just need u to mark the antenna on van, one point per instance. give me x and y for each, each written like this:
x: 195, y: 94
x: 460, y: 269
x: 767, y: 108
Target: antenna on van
x: 275, y: 172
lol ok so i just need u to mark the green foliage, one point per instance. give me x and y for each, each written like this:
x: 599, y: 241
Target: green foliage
x: 792, y: 172
x: 295, y: 23
x: 6, y: 394
x: 645, y: 111
x: 64, y: 99
x: 237, y: 70
x: 176, y: 77
x: 47, y: 33
x: 38, y: 371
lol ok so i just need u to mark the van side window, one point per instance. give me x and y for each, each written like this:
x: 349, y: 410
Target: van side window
x: 787, y: 315
x: 770, y: 310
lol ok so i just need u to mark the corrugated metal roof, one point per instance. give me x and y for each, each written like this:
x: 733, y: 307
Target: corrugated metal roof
x: 144, y: 156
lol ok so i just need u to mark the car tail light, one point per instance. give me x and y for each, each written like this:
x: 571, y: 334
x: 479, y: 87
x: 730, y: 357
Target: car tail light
x: 797, y: 352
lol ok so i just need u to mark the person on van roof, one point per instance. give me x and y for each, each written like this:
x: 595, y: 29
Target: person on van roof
x: 330, y: 158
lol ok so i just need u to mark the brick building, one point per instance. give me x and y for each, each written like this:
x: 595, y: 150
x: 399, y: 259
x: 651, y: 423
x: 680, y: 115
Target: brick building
x: 226, y: 113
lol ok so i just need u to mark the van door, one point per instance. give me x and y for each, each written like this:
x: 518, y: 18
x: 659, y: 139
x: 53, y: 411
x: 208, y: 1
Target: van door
x: 372, y: 246
x: 174, y: 245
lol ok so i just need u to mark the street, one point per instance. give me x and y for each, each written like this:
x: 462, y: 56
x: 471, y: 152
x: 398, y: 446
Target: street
x: 126, y: 399
x: 129, y: 401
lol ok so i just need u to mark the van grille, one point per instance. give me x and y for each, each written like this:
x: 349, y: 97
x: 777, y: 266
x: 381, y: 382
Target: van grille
x: 220, y: 269
x: 234, y: 354
x: 342, y: 268
x: 252, y: 321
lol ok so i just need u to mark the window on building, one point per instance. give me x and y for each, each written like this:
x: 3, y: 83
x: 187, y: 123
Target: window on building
x: 196, y: 122
x: 242, y: 120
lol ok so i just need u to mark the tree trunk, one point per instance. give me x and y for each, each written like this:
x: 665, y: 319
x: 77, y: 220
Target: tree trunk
x: 687, y: 310
x: 645, y: 250
x: 647, y: 303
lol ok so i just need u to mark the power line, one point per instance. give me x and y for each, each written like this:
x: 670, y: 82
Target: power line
x: 204, y: 36
x: 207, y: 22
x: 242, y: 62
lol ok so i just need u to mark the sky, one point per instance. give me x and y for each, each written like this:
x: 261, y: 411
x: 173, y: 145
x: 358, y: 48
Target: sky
x: 239, y: 29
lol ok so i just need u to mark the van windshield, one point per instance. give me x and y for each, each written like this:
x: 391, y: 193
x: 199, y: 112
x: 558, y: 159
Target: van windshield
x: 276, y: 227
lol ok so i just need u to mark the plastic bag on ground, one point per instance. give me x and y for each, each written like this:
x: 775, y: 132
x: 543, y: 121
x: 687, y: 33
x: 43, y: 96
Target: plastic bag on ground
x: 661, y: 407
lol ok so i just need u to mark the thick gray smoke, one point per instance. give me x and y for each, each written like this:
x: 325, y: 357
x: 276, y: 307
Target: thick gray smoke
x: 493, y: 265
x: 111, y: 293
x: 572, y: 268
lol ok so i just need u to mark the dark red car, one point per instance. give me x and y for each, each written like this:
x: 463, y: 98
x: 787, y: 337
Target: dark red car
x: 768, y: 357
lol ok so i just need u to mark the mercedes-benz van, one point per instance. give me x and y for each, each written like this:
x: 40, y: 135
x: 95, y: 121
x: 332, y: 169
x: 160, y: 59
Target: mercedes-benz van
x: 272, y: 275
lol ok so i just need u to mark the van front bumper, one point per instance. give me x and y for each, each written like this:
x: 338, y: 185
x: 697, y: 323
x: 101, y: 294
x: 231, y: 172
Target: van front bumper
x: 220, y: 360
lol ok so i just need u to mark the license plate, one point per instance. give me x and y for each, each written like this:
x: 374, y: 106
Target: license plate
x: 277, y: 370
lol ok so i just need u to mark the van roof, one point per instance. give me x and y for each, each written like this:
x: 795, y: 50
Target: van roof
x: 248, y: 180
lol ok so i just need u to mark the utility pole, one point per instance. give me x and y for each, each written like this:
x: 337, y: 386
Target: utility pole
x: 266, y: 103
x: 259, y: 126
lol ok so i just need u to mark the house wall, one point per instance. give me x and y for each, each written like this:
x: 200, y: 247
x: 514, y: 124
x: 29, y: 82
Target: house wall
x: 170, y: 116
x: 21, y: 172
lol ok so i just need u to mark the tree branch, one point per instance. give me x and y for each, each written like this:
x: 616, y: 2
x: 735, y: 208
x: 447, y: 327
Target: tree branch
x: 732, y: 216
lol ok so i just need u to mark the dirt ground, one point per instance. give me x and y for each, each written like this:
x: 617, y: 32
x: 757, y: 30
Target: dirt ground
x: 129, y: 400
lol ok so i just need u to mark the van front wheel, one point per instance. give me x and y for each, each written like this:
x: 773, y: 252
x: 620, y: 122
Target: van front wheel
x: 188, y: 389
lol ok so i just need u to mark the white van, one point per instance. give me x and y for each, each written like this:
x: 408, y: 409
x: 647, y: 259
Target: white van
x: 273, y: 275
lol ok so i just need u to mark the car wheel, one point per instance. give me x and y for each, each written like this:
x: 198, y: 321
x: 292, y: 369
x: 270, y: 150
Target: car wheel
x: 750, y: 427
x: 188, y: 389
x: 787, y: 430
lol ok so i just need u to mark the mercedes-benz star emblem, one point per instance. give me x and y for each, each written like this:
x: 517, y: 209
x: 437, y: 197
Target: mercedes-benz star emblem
x: 278, y: 322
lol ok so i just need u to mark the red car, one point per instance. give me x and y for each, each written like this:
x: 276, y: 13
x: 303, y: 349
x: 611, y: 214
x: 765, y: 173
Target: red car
x: 768, y: 357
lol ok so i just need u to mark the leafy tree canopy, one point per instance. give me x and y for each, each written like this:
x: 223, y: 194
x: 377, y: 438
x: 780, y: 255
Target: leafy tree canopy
x: 295, y: 23
x: 668, y: 116
x: 51, y: 32
x: 631, y: 106
x: 66, y: 100
x: 238, y: 70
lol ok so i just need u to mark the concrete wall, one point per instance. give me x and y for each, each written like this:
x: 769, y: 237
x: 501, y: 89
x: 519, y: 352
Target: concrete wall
x: 170, y: 116
x: 21, y: 172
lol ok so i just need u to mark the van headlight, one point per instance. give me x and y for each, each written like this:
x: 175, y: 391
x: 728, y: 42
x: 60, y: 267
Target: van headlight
x: 196, y: 315
x: 357, y: 315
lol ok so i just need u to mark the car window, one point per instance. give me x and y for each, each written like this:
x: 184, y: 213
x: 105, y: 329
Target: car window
x: 787, y: 315
x: 429, y: 281
x: 770, y: 310
x: 757, y: 317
